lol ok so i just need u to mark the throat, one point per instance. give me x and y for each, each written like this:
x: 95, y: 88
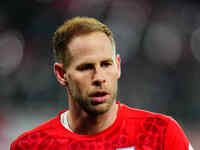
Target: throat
x: 85, y: 124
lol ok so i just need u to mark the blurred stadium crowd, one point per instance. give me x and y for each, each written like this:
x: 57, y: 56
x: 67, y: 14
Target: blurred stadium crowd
x: 159, y: 44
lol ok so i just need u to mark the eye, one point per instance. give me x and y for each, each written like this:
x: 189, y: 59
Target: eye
x: 106, y: 64
x: 85, y: 67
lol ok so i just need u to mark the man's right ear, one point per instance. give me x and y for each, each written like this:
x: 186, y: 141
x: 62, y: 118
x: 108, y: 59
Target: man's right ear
x: 59, y: 72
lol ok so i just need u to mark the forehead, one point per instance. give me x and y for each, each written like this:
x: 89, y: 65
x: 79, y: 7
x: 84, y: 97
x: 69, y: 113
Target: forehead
x: 93, y: 46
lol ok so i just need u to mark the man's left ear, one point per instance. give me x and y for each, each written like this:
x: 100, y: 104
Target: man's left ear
x: 60, y: 73
x: 118, y: 61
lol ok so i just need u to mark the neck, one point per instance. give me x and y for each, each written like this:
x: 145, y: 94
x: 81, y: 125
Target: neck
x: 81, y: 122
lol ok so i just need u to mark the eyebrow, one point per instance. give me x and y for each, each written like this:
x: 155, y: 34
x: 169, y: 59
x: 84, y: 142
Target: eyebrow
x: 90, y: 62
x: 109, y: 59
x: 82, y: 65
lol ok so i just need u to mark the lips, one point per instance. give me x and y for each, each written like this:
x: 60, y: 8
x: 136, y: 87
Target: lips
x: 99, y: 97
x: 99, y: 94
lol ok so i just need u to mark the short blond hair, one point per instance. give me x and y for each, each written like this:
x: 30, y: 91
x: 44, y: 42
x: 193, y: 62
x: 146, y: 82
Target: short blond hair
x: 75, y: 27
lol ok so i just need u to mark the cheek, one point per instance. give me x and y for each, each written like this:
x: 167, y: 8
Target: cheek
x: 75, y: 88
x: 79, y: 81
x: 112, y: 80
x: 72, y: 83
x: 113, y: 74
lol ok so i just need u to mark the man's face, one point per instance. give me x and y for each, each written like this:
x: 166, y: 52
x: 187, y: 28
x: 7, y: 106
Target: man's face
x: 93, y: 72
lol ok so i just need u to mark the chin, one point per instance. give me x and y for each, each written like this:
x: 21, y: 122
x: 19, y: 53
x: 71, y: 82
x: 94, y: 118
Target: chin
x: 99, y: 109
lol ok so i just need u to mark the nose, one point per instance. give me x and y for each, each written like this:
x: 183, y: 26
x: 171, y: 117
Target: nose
x: 98, y: 77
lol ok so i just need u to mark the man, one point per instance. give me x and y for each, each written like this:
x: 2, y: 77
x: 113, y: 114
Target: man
x: 89, y: 69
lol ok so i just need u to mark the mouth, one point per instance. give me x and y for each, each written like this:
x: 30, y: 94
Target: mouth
x: 99, y: 97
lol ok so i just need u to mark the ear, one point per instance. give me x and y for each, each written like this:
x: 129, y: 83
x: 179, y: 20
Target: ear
x: 59, y: 72
x: 118, y: 61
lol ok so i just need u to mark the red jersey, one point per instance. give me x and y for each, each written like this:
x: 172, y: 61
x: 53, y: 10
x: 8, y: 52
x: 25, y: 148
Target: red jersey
x: 133, y: 129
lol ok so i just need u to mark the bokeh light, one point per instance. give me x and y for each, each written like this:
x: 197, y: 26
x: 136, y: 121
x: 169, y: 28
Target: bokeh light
x: 195, y: 44
x: 11, y: 51
x: 128, y: 20
x: 163, y: 44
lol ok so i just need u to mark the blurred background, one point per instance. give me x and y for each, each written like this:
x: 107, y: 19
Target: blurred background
x: 159, y: 44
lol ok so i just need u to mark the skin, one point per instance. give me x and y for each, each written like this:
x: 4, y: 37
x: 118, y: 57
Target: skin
x: 94, y: 68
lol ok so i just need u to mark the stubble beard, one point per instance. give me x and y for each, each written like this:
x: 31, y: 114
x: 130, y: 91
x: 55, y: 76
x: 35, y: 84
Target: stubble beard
x: 91, y: 109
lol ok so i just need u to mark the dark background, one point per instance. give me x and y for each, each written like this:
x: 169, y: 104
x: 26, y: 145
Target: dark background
x: 159, y: 44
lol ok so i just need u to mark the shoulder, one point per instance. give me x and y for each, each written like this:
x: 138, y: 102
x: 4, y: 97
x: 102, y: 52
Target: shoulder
x: 44, y: 132
x: 148, y: 124
x: 138, y: 115
x: 150, y: 120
